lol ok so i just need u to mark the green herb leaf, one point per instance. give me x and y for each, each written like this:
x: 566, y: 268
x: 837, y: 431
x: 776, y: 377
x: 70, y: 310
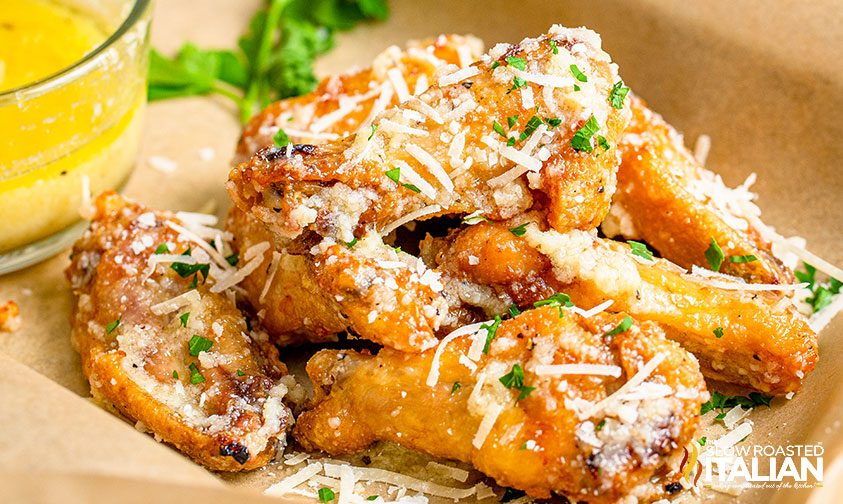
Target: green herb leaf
x: 624, y: 326
x: 455, y: 387
x: 280, y: 139
x: 175, y: 374
x: 185, y: 270
x: 514, y: 311
x: 739, y: 259
x: 577, y: 87
x: 512, y: 120
x: 498, y: 128
x: 111, y: 326
x: 198, y: 344
x: 352, y: 243
x: 519, y: 230
x: 557, y: 300
x: 195, y: 375
x: 372, y: 134
x: 240, y: 372
x: 394, y: 174
x: 581, y: 141
x: 702, y: 441
x: 525, y: 392
x: 722, y: 402
x: 519, y: 63
x: 517, y: 82
x: 510, y: 141
x: 553, y: 46
x: 718, y: 332
x: 372, y: 497
x: 162, y: 249
x: 233, y: 259
x: 532, y: 124
x: 495, y: 65
x: 714, y: 255
x: 491, y: 332
x: 578, y: 74
x: 553, y: 122
x: 618, y: 94
x: 326, y: 494
x: 821, y: 292
x: 411, y: 187
x: 183, y: 318
x: 474, y: 218
x: 639, y: 249
x: 600, y: 425
x: 603, y: 143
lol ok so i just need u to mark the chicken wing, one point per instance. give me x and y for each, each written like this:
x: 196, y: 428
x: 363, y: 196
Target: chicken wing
x: 744, y: 336
x: 560, y: 403
x: 165, y: 350
x: 342, y: 103
x: 395, y: 171
x: 666, y: 198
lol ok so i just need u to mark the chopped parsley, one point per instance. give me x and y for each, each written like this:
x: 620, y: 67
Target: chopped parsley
x: 517, y: 83
x: 491, y: 332
x: 411, y: 187
x: 326, y: 494
x: 519, y: 63
x: 457, y: 385
x: 512, y: 120
x: 722, y: 402
x: 702, y: 441
x: 603, y: 143
x: 198, y: 344
x: 821, y: 292
x: 578, y: 74
x: 233, y: 259
x: 498, y: 128
x: 639, y: 249
x: 514, y: 311
x: 111, y: 326
x: 718, y: 332
x: 581, y: 141
x: 352, y: 243
x: 624, y: 326
x: 553, y: 46
x: 557, y: 300
x: 532, y: 124
x: 373, y: 497
x: 175, y: 374
x: 183, y: 318
x: 576, y: 87
x: 473, y: 218
x: 195, y: 375
x: 515, y: 380
x: 162, y: 249
x: 394, y: 174
x: 739, y: 259
x: 600, y: 425
x: 519, y: 230
x: 280, y: 139
x: 240, y: 372
x: 374, y: 128
x: 495, y: 65
x: 553, y: 122
x: 185, y: 270
x: 618, y: 94
x: 714, y: 255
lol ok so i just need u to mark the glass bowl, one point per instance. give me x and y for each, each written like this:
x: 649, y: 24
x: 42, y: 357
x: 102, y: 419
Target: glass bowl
x: 72, y: 134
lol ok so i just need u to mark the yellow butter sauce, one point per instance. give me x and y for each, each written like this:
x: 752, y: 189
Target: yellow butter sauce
x: 70, y: 110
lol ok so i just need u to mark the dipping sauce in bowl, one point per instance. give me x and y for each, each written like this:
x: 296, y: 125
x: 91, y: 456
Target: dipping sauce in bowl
x: 72, y: 95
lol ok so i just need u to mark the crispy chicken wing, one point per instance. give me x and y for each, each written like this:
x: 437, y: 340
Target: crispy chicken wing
x: 447, y: 151
x: 666, y: 198
x: 749, y: 337
x: 342, y: 103
x: 165, y: 350
x: 557, y: 404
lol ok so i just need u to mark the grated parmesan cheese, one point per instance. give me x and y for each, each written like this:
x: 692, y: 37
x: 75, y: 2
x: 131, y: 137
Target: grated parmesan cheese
x: 458, y: 76
x: 435, y: 168
x: 485, y: 428
x: 273, y: 269
x: 188, y: 298
x: 636, y: 380
x: 396, y: 78
x: 577, y: 369
x: 294, y: 480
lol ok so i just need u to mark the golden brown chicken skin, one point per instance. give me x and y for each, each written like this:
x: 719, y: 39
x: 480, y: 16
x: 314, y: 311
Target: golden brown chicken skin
x: 342, y: 103
x: 447, y: 154
x: 764, y: 342
x: 582, y: 435
x: 179, y: 360
x: 673, y: 203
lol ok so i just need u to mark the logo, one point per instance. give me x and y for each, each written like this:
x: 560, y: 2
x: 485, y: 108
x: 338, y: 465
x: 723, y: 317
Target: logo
x: 752, y: 466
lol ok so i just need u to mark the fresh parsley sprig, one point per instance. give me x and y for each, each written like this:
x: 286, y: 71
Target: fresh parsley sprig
x: 821, y: 292
x: 274, y: 58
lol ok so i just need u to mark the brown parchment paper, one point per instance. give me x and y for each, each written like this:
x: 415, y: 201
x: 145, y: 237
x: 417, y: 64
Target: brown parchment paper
x: 763, y: 79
